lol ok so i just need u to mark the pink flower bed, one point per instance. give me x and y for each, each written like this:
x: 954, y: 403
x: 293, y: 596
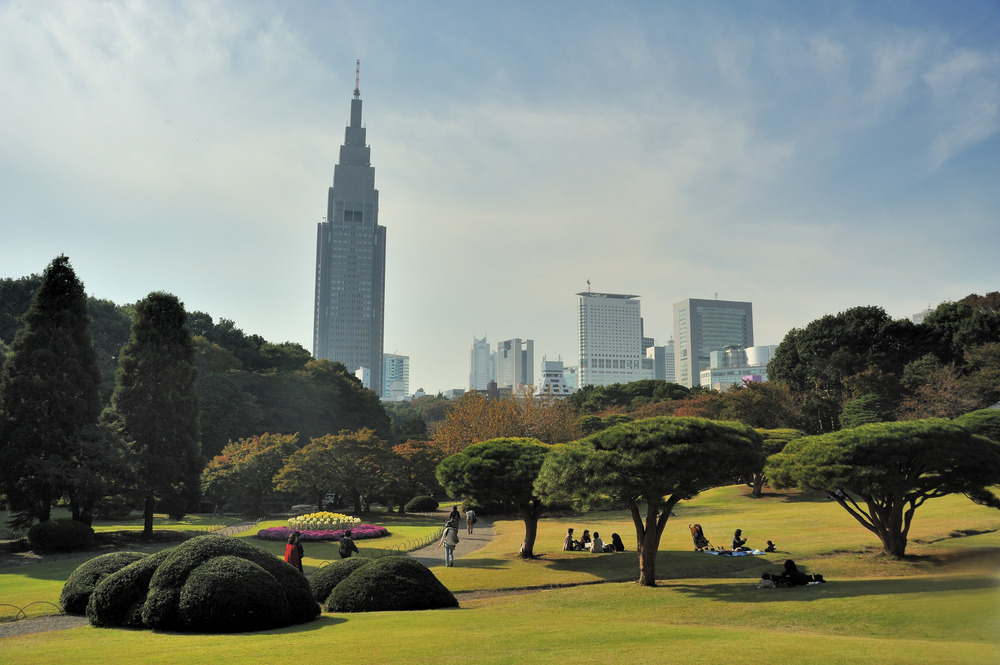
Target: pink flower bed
x: 359, y: 532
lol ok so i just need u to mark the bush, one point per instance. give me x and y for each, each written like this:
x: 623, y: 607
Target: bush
x: 117, y: 599
x: 229, y: 594
x: 388, y: 584
x: 421, y: 504
x: 323, y: 581
x: 175, y: 587
x: 82, y: 581
x: 59, y: 536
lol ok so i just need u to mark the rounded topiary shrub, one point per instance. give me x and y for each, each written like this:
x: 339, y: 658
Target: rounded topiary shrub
x: 117, y: 599
x: 229, y: 594
x: 391, y: 583
x: 421, y: 504
x: 323, y: 581
x: 59, y: 536
x: 81, y: 582
x: 187, y: 579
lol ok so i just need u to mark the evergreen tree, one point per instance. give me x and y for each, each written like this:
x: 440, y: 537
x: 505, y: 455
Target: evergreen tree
x: 157, y: 407
x: 48, y: 395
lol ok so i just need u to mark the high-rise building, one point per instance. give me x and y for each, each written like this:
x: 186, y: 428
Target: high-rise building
x: 350, y: 261
x: 515, y: 365
x: 553, y: 380
x: 395, y: 377
x: 482, y: 365
x: 611, y: 340
x: 703, y: 326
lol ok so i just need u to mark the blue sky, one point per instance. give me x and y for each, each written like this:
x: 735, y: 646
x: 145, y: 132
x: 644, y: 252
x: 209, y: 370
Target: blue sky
x: 805, y: 156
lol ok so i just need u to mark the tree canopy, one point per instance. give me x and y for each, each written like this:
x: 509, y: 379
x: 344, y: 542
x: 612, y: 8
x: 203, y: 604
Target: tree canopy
x: 650, y: 465
x: 48, y: 395
x: 501, y: 470
x: 881, y: 473
x: 157, y: 406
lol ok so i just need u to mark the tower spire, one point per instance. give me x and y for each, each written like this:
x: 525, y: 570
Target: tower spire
x: 357, y: 79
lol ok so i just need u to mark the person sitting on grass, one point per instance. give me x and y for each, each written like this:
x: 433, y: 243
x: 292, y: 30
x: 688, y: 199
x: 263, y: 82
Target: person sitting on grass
x: 597, y: 545
x: 771, y: 547
x: 738, y: 543
x: 570, y: 545
x: 616, y: 543
x: 585, y: 540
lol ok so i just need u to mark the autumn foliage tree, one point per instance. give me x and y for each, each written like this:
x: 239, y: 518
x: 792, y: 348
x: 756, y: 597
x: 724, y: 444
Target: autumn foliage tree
x: 245, y: 470
x: 474, y: 418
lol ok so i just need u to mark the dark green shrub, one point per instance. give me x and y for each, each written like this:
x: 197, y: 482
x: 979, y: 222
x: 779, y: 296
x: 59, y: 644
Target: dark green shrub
x: 326, y: 578
x: 117, y: 599
x: 391, y: 583
x: 174, y: 580
x: 81, y: 582
x: 59, y: 536
x: 229, y: 594
x: 421, y: 504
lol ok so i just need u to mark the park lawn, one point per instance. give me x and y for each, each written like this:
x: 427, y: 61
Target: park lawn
x: 939, y: 619
x: 938, y: 606
x: 134, y: 522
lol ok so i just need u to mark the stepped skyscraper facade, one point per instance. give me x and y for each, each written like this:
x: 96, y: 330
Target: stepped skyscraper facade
x: 350, y: 261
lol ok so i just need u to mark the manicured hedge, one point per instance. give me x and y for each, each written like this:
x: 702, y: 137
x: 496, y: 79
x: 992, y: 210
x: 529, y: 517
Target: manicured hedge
x: 59, y: 536
x: 207, y: 584
x: 174, y: 579
x: 82, y: 581
x: 388, y: 584
x: 323, y: 581
x: 118, y: 599
x: 421, y: 504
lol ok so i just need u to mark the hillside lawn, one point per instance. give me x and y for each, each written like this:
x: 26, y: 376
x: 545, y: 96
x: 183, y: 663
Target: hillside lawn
x: 940, y: 605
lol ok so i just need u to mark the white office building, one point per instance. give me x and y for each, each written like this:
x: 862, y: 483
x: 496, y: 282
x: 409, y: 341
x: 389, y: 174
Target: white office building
x: 515, y: 365
x: 395, y: 377
x: 553, y: 380
x: 482, y: 365
x: 611, y: 340
x: 734, y: 365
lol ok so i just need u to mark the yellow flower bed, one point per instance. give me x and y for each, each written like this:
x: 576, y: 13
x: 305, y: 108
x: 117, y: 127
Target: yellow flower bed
x: 322, y: 522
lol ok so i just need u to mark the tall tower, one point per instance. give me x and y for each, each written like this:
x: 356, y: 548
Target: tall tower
x: 482, y: 365
x: 703, y: 326
x: 350, y: 261
x: 610, y: 339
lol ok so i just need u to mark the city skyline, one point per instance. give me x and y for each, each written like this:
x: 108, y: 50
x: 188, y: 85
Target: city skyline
x: 805, y: 158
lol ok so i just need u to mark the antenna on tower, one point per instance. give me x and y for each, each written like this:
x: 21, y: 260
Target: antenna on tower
x: 357, y: 79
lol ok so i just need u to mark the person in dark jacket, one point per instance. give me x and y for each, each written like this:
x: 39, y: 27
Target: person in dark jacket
x: 616, y: 543
x: 791, y: 576
x: 738, y: 543
x: 347, y: 546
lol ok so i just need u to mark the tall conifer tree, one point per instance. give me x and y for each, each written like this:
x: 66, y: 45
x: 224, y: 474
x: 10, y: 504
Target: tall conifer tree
x: 156, y: 403
x: 48, y: 395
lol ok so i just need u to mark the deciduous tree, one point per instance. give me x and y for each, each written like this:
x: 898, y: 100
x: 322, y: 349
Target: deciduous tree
x: 245, y: 469
x: 650, y: 465
x: 502, y: 470
x: 881, y: 473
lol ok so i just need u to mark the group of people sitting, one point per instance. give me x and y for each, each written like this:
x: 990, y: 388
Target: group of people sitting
x: 739, y: 542
x: 595, y: 545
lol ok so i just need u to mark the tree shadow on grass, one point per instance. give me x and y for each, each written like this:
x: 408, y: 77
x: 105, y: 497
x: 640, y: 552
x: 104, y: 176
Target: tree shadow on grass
x: 747, y: 592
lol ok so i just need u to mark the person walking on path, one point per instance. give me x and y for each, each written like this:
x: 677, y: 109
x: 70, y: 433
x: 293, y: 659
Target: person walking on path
x: 449, y: 539
x: 347, y: 546
x: 293, y: 551
x: 470, y: 519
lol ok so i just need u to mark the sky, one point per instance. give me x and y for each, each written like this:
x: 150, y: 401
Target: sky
x: 807, y: 157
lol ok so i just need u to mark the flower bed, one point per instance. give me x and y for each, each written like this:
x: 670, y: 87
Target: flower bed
x: 359, y: 532
x: 324, y: 521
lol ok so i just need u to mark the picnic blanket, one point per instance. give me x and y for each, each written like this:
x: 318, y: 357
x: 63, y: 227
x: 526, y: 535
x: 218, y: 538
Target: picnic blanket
x: 734, y: 553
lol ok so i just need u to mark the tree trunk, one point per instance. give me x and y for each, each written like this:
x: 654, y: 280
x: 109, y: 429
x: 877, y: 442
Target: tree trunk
x: 530, y: 532
x: 648, y: 548
x: 147, y: 515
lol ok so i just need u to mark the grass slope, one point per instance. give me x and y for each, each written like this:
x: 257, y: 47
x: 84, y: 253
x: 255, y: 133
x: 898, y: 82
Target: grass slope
x: 938, y: 606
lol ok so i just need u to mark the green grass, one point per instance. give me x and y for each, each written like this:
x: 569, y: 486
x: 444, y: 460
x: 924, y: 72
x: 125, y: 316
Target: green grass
x: 940, y: 605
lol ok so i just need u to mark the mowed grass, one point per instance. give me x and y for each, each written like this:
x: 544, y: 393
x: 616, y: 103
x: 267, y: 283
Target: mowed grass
x: 941, y: 605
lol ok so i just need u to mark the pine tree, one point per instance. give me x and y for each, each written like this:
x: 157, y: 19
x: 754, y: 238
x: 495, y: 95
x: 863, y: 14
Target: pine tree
x: 48, y: 395
x: 156, y: 404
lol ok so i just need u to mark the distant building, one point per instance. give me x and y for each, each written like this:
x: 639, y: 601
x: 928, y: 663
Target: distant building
x: 395, y: 377
x: 515, y: 365
x: 553, y: 381
x: 669, y: 367
x: 454, y: 393
x: 703, y: 326
x: 610, y: 339
x: 349, y: 304
x: 920, y: 316
x: 364, y: 375
x: 734, y: 365
x: 570, y: 378
x: 482, y: 365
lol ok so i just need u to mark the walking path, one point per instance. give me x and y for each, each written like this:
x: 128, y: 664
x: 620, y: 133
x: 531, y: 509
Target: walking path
x: 433, y: 554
